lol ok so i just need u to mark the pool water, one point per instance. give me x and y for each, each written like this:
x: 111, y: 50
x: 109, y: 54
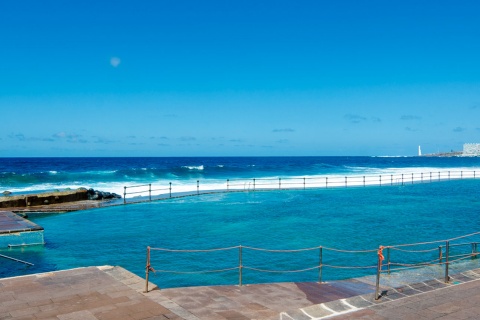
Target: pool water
x: 348, y: 219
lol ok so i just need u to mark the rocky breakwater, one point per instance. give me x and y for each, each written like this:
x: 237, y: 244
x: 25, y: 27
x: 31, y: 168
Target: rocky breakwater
x: 101, y: 195
x: 10, y: 200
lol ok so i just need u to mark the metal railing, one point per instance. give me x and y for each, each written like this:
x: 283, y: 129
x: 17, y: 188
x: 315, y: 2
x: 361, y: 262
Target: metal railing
x: 415, y: 255
x: 145, y: 192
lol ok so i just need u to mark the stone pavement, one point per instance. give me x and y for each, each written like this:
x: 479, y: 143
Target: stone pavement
x: 84, y: 293
x: 115, y: 293
x: 431, y: 299
x: 458, y: 302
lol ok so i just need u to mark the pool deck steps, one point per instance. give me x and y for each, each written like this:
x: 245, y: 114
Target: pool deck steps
x: 114, y: 293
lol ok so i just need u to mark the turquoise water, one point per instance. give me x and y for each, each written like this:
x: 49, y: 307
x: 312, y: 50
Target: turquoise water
x: 351, y: 219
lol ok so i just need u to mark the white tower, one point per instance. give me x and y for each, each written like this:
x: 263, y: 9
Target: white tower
x: 419, y: 151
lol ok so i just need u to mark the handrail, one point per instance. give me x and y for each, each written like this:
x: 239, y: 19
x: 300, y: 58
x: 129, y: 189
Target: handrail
x: 445, y: 258
x: 290, y: 183
x: 16, y: 260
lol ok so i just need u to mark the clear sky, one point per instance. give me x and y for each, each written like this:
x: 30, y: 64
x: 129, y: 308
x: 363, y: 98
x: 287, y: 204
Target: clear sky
x: 238, y: 78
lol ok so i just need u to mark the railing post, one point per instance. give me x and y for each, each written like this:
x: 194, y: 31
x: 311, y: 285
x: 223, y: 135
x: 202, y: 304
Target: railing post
x: 440, y: 257
x: 303, y: 183
x: 448, y: 175
x: 253, y: 184
x: 380, y: 180
x: 377, y: 283
x: 402, y: 179
x: 147, y: 269
x: 430, y: 177
x: 124, y: 195
x: 228, y: 181
x: 461, y: 175
x: 346, y: 185
x: 326, y: 182
x: 240, y: 265
x: 150, y: 191
x: 198, y: 187
x: 412, y: 177
x: 391, y: 179
x: 279, y: 183
x: 439, y: 176
x: 388, y: 260
x: 320, y: 265
x: 447, y: 249
x: 364, y: 181
x: 421, y: 175
x: 170, y: 189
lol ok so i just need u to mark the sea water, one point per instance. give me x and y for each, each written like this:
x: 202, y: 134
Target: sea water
x: 359, y: 218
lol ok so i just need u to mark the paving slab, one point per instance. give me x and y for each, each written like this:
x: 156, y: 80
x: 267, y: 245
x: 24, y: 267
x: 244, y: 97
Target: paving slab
x: 114, y: 293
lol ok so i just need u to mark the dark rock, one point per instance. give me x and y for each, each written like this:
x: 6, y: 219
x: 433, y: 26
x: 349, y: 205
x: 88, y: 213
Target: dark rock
x: 101, y: 195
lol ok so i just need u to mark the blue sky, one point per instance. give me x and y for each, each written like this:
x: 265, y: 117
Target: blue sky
x: 238, y: 78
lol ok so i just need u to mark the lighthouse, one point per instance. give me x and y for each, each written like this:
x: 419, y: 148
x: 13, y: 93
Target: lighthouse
x: 419, y: 151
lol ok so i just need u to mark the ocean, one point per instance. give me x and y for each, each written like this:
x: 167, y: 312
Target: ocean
x: 286, y: 203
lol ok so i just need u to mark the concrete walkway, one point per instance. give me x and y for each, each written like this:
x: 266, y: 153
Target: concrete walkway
x: 114, y: 293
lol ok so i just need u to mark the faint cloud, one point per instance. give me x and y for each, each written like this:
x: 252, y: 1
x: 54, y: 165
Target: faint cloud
x: 266, y: 147
x: 22, y: 137
x: 69, y: 137
x: 459, y: 129
x: 115, y: 61
x: 60, y: 135
x: 376, y: 119
x: 411, y: 129
x: 187, y: 139
x: 354, y: 118
x: 475, y: 106
x: 236, y: 140
x: 101, y: 140
x: 282, y: 141
x: 283, y: 130
x: 410, y: 117
x: 132, y: 137
x: 18, y: 136
x: 163, y: 145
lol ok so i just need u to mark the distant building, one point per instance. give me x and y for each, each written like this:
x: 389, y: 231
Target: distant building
x: 471, y: 150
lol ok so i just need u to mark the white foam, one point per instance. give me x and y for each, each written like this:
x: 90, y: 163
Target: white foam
x: 393, y: 176
x: 199, y: 168
x: 367, y: 176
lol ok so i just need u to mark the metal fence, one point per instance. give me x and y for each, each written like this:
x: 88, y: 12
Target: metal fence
x: 384, y: 260
x: 149, y: 192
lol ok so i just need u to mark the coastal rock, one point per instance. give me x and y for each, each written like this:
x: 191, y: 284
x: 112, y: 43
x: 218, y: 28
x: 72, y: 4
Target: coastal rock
x: 101, y: 195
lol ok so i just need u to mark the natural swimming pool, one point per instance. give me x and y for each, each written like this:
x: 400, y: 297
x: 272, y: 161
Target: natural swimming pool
x: 351, y: 219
